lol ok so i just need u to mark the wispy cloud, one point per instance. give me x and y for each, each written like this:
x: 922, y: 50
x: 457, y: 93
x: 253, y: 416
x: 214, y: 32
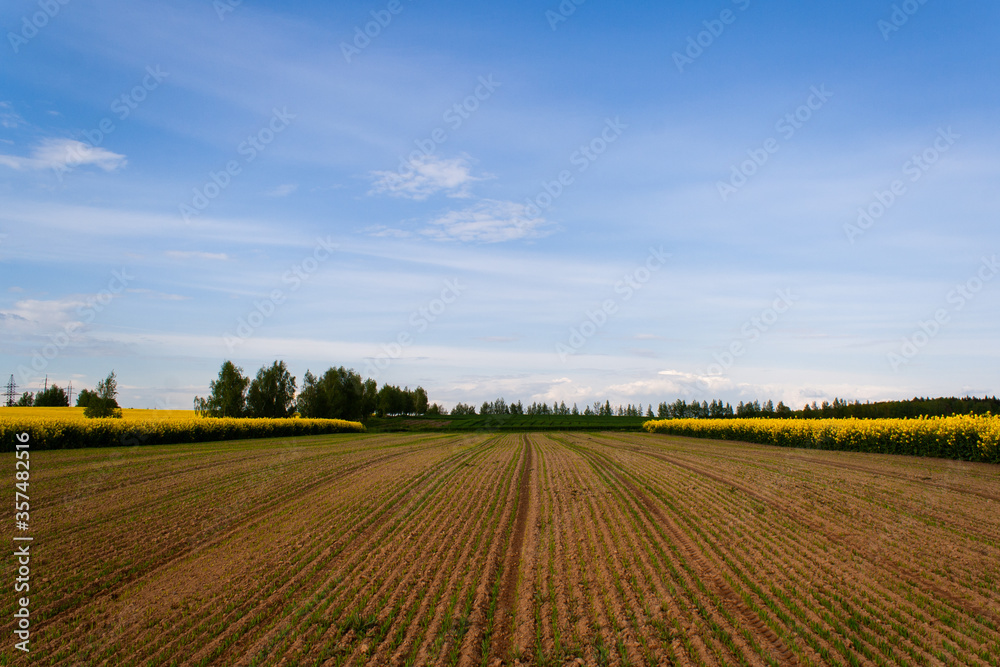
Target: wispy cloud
x: 30, y: 315
x: 193, y: 254
x: 424, y: 176
x: 163, y: 296
x: 381, y: 231
x: 673, y: 382
x: 55, y: 153
x: 488, y: 221
x: 282, y: 190
x: 8, y: 117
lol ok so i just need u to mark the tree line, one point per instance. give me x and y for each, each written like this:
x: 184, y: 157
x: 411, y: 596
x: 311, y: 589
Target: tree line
x: 716, y: 409
x: 501, y: 407
x: 102, y: 402
x: 340, y: 393
x: 51, y: 397
x: 915, y: 407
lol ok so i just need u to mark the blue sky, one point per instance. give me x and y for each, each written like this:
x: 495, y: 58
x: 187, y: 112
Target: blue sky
x: 631, y: 202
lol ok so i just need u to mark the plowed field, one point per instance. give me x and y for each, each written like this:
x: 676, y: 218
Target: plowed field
x: 477, y: 549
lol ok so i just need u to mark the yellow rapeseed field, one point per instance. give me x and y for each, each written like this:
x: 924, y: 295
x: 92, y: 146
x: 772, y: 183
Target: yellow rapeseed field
x: 67, y: 428
x: 130, y: 414
x: 966, y: 437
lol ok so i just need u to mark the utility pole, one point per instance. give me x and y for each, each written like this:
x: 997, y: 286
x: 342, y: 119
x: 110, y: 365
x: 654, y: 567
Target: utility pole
x: 11, y: 391
x: 71, y: 393
x: 46, y: 382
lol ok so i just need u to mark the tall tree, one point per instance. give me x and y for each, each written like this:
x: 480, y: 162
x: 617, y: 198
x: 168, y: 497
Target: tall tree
x: 271, y: 393
x: 228, y: 395
x: 310, y: 400
x: 85, y: 397
x: 104, y: 403
x: 346, y: 393
x: 392, y: 402
x: 53, y: 397
x: 369, y: 398
x: 339, y: 394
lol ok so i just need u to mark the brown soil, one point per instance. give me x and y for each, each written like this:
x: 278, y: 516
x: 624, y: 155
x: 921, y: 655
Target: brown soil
x: 503, y: 621
x: 555, y: 549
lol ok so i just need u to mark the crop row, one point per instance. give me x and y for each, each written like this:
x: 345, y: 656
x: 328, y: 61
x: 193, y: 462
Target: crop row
x: 70, y: 433
x: 743, y: 576
x: 963, y: 437
x: 612, y: 549
x: 156, y: 552
x: 844, y: 577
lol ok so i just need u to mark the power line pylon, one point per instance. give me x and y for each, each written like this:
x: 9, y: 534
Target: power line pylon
x: 11, y: 392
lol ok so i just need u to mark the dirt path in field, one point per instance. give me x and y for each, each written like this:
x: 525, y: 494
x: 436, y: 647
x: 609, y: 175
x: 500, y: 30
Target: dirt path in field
x: 503, y: 622
x: 523, y: 629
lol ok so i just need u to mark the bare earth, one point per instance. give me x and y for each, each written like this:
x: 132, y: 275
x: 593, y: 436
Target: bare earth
x: 477, y: 549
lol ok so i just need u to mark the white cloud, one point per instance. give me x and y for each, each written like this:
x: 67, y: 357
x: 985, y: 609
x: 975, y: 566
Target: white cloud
x: 489, y: 221
x: 158, y: 295
x: 671, y: 382
x: 282, y: 190
x: 65, y: 153
x: 71, y: 221
x: 192, y: 254
x: 381, y: 231
x: 425, y: 176
x: 564, y: 390
x: 31, y: 315
x: 8, y: 118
